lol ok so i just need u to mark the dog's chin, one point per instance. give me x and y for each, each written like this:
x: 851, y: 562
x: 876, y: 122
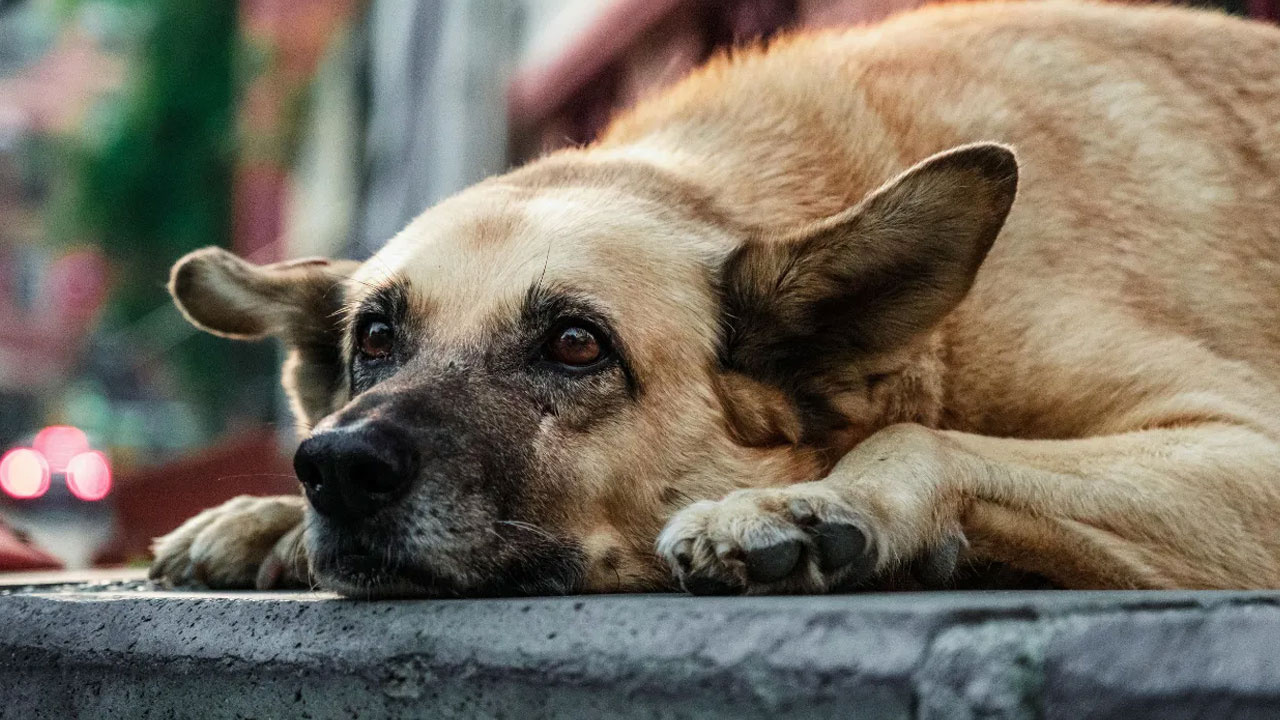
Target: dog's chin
x: 380, y: 589
x: 370, y: 576
x: 361, y: 577
x: 356, y: 573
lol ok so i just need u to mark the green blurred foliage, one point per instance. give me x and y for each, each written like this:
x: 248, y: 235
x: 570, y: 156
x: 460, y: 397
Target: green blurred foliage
x: 153, y: 178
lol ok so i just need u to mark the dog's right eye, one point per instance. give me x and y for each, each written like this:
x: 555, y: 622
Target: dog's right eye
x: 375, y: 339
x: 574, y: 346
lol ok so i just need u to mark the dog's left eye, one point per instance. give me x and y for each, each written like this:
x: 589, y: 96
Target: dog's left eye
x: 575, y: 346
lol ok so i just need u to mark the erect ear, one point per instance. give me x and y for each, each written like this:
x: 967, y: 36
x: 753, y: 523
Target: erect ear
x: 296, y: 301
x: 869, y: 279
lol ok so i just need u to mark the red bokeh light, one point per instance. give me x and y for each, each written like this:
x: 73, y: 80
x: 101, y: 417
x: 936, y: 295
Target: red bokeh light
x: 24, y: 473
x: 89, y: 476
x: 60, y: 443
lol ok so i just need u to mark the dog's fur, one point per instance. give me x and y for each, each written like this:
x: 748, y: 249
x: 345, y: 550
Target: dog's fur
x: 822, y: 374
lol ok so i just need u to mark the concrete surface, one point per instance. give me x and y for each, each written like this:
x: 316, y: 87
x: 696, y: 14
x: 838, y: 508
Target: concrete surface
x: 115, y: 650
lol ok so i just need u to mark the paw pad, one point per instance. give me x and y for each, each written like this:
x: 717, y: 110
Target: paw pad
x: 839, y: 545
x: 774, y: 562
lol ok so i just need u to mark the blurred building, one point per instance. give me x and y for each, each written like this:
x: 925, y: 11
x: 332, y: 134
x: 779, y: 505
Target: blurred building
x: 583, y: 60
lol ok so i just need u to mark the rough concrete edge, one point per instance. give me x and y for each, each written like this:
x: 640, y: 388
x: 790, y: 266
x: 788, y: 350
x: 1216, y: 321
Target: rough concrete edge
x: 933, y: 656
x: 1148, y: 655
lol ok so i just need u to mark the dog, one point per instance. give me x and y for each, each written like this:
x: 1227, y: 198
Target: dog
x: 784, y: 328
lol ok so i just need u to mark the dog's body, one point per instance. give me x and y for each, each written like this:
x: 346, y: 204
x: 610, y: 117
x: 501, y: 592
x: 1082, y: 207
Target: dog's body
x: 813, y: 360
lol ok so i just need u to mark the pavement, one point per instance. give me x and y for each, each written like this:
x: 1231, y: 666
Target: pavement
x: 109, y: 648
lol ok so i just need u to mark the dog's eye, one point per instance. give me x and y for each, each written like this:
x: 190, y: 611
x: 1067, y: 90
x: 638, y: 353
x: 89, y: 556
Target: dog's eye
x: 575, y: 346
x: 376, y: 339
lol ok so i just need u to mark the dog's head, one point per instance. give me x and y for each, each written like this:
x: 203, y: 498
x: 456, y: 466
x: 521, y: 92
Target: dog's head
x: 519, y: 389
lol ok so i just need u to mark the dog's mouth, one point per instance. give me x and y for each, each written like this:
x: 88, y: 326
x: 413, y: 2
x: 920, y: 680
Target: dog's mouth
x: 380, y: 570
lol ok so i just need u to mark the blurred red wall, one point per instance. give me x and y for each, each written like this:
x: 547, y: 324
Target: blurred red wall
x: 152, y: 501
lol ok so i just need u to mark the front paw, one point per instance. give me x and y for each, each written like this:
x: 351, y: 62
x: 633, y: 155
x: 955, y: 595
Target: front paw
x: 801, y: 539
x: 248, y: 542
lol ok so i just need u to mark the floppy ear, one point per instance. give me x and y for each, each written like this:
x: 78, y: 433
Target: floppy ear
x: 870, y: 279
x: 296, y: 301
x: 222, y: 294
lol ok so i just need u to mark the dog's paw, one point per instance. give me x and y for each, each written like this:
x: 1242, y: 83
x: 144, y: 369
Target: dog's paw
x: 248, y: 542
x: 801, y: 539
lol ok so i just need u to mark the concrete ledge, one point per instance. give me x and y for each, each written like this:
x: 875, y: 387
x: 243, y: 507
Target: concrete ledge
x: 126, y: 651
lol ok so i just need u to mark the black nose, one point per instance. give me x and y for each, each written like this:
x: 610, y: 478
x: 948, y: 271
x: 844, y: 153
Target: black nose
x: 349, y: 473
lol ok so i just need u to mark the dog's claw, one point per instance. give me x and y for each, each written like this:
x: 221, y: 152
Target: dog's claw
x: 774, y: 562
x: 684, y: 554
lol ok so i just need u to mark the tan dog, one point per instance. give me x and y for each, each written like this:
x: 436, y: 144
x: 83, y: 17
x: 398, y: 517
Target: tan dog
x: 752, y: 329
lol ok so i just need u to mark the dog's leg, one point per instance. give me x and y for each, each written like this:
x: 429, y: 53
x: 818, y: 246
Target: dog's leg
x: 1194, y: 507
x: 248, y: 542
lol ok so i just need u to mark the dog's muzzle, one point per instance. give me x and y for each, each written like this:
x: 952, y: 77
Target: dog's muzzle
x: 421, y: 490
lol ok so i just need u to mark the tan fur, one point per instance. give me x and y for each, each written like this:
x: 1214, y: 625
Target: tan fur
x: 1103, y: 405
x: 245, y: 542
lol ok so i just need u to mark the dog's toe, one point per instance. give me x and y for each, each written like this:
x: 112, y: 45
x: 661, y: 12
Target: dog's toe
x: 764, y: 541
x: 286, y: 566
x: 799, y: 539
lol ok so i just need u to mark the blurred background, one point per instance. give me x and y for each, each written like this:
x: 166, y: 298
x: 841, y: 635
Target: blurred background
x: 133, y: 131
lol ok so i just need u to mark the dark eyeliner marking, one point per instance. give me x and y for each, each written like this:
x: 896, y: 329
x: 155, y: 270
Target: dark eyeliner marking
x: 545, y: 311
x: 388, y: 304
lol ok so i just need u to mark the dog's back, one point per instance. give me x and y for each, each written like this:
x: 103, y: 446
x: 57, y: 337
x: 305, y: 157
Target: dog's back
x: 1146, y: 237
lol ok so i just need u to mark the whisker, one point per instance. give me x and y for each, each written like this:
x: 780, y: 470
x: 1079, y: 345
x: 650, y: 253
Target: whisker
x: 529, y: 527
x: 256, y: 475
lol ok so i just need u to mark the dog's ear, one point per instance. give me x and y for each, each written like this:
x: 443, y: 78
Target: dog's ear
x: 296, y: 301
x: 870, y: 279
x: 222, y: 294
